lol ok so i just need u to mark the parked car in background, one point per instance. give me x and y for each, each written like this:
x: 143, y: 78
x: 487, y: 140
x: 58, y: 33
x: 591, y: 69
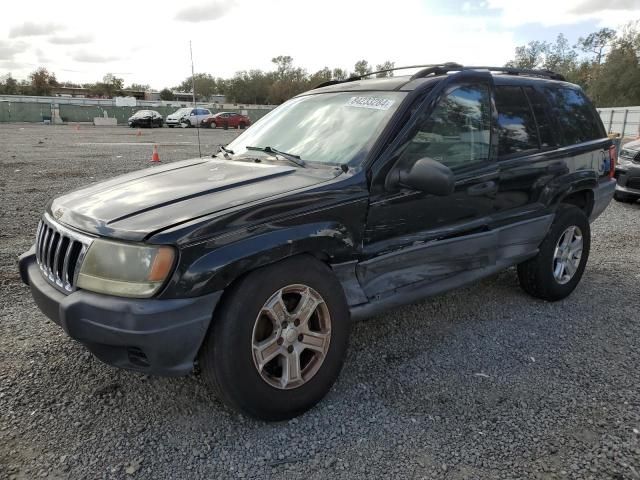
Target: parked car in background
x: 350, y: 199
x: 628, y: 173
x: 145, y: 118
x: 187, y: 117
x: 227, y: 120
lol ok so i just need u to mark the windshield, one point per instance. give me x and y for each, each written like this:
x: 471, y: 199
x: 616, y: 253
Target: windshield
x: 332, y: 128
x: 142, y: 113
x: 182, y: 111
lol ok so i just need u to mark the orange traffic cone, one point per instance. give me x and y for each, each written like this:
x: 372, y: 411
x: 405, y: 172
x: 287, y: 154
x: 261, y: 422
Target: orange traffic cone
x: 139, y: 134
x: 155, y: 158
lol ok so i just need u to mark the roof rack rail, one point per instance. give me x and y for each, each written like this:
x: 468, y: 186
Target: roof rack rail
x: 447, y: 67
x: 360, y: 77
x: 443, y: 68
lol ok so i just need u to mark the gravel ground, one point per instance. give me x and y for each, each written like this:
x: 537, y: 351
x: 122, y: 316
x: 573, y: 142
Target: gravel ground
x: 483, y: 382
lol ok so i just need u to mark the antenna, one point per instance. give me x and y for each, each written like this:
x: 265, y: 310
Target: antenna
x: 193, y: 89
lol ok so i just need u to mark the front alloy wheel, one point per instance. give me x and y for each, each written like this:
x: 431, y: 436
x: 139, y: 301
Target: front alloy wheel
x: 291, y: 336
x: 278, y: 339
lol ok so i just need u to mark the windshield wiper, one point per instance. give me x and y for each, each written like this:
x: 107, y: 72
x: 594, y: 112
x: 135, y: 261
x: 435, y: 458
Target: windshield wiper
x: 287, y: 156
x: 224, y: 150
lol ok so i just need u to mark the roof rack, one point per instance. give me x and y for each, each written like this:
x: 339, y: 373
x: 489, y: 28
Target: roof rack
x: 360, y: 77
x: 447, y: 67
x: 444, y: 68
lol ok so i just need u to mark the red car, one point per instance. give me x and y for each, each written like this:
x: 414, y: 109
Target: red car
x: 227, y: 120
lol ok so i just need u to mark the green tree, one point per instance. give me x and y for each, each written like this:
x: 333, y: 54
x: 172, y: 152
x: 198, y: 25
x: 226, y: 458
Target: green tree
x: 361, y: 68
x: 320, y: 76
x: 205, y: 85
x: 530, y: 56
x: 8, y: 85
x: 339, y: 74
x: 166, y: 94
x: 385, y: 66
x: 560, y: 57
x: 616, y: 83
x: 596, y: 43
x: 42, y: 81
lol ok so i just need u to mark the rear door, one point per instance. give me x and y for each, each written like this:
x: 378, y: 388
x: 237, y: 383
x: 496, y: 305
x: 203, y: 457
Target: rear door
x: 413, y: 238
x: 547, y: 135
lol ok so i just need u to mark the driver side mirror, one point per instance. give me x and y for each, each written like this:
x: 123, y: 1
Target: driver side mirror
x: 425, y: 175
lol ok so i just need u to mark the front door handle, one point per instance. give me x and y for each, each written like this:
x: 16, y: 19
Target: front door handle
x: 482, y: 188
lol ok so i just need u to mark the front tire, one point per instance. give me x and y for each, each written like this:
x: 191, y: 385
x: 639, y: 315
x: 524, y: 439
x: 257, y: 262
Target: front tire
x: 558, y: 267
x: 278, y: 339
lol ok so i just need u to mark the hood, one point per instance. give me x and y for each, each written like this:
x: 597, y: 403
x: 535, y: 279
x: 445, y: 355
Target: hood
x: 634, y: 145
x: 132, y: 206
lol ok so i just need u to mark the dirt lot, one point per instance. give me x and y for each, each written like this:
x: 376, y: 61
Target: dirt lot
x: 483, y: 382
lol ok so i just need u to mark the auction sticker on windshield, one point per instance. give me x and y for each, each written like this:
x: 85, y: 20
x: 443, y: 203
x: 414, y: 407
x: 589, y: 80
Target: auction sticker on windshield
x: 376, y: 103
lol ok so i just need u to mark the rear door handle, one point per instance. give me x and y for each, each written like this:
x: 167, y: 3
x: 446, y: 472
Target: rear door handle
x: 482, y: 188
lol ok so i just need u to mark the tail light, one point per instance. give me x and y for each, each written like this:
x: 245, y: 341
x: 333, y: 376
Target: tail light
x: 613, y: 154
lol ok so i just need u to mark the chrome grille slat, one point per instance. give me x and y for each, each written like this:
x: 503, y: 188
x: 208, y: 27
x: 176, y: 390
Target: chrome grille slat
x: 47, y: 246
x: 38, y: 235
x: 59, y: 253
x: 65, y: 264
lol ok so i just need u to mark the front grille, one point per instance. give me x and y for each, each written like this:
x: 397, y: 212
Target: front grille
x: 634, y: 183
x: 59, y: 253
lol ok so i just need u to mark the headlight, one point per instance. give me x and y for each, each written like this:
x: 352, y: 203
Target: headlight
x: 126, y: 270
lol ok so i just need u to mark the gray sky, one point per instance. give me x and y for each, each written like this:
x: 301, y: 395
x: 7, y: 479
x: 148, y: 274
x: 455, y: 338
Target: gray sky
x: 148, y: 42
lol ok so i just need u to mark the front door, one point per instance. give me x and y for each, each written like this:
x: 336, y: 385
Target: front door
x: 413, y: 238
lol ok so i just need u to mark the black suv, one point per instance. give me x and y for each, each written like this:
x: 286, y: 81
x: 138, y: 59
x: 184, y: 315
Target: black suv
x: 352, y: 198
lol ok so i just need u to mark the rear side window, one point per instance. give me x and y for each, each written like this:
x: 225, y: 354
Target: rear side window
x: 541, y: 112
x: 517, y: 126
x: 575, y: 114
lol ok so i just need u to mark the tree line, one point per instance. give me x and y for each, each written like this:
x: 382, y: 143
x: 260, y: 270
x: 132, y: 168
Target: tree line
x: 605, y: 63
x: 248, y: 86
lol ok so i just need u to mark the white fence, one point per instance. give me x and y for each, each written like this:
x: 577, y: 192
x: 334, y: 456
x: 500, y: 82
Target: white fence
x: 622, y: 120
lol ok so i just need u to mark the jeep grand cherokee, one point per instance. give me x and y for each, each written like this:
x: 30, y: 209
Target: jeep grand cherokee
x: 352, y: 198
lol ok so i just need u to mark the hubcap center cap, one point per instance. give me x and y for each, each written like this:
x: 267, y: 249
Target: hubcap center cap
x: 290, y: 334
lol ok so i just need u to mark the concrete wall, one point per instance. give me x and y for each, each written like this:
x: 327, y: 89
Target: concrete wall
x: 37, y: 111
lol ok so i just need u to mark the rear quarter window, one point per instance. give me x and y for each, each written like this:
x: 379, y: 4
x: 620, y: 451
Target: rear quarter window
x: 576, y: 116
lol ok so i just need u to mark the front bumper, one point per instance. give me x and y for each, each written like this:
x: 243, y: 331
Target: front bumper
x: 628, y: 178
x: 159, y: 337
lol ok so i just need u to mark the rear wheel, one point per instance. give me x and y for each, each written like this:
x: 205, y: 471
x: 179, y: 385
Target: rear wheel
x: 278, y: 339
x: 557, y: 269
x: 625, y: 197
x: 241, y: 125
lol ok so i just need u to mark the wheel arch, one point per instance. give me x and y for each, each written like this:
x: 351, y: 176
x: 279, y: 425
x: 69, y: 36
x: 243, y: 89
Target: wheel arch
x: 218, y: 268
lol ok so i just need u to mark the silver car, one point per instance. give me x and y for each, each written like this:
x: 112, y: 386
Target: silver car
x: 628, y: 173
x: 187, y: 117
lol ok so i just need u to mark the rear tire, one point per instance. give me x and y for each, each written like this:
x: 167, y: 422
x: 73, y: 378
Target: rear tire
x: 243, y: 323
x: 556, y: 271
x: 625, y: 197
x: 241, y: 126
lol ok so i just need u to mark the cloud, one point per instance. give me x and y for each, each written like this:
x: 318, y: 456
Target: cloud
x: 90, y: 57
x: 73, y: 40
x: 9, y: 49
x: 514, y: 13
x: 595, y: 6
x: 210, y: 10
x: 32, y: 29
